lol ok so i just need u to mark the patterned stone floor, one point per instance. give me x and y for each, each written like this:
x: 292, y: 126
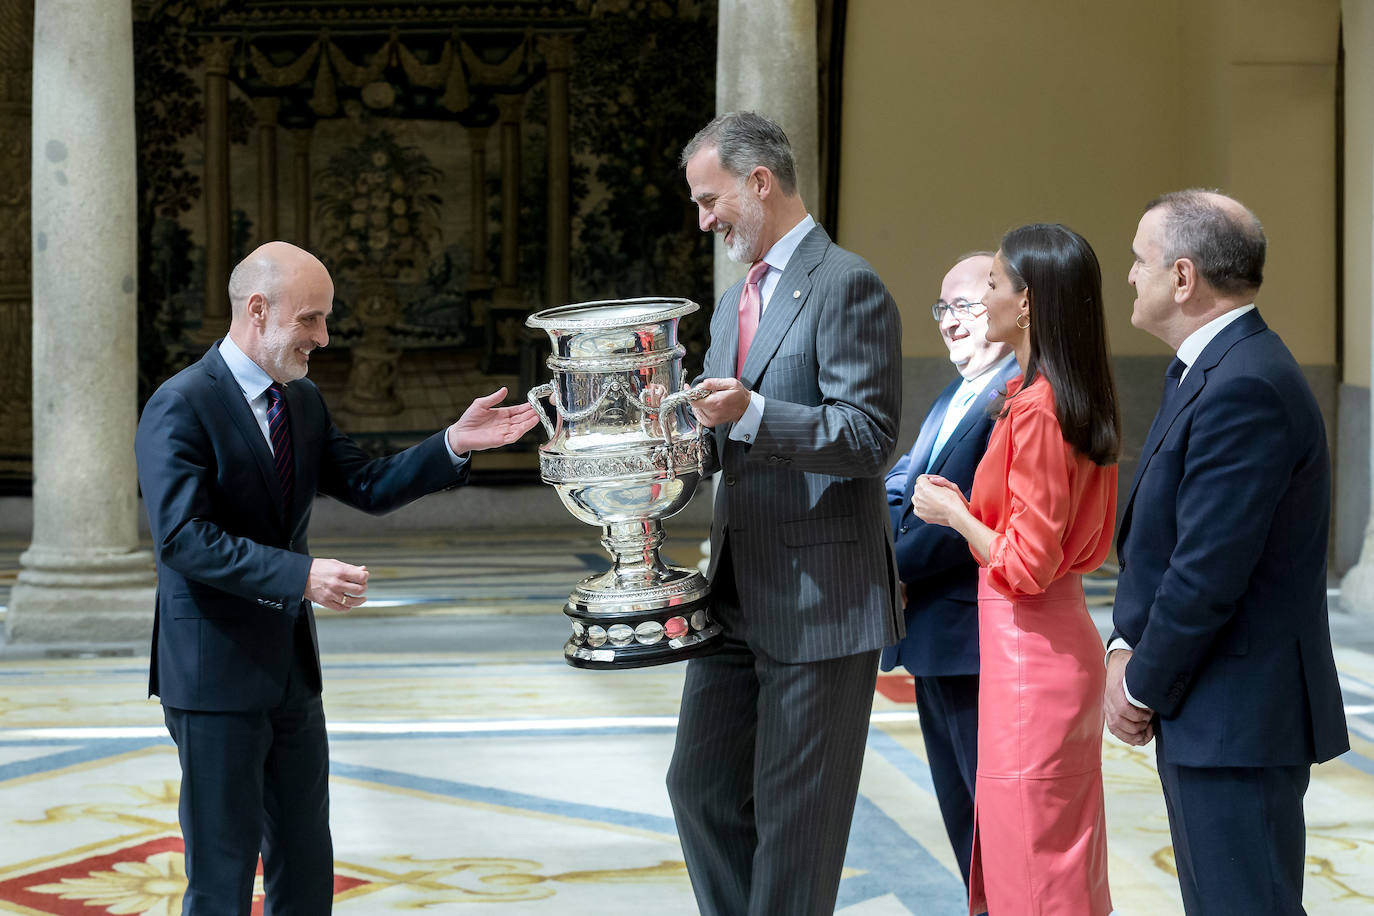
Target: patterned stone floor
x: 473, y: 772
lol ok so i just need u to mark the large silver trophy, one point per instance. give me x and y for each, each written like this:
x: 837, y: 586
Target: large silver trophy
x: 624, y: 464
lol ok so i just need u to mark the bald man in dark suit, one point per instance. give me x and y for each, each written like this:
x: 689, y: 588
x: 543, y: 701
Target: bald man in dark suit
x: 231, y: 453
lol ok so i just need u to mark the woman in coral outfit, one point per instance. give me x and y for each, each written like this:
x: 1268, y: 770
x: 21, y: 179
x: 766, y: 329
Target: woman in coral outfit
x: 1040, y: 515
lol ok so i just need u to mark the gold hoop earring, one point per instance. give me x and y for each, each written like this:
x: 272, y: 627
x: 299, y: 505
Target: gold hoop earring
x: 1026, y: 326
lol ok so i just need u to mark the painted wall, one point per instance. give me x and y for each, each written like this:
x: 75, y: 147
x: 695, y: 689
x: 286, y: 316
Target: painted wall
x: 964, y: 120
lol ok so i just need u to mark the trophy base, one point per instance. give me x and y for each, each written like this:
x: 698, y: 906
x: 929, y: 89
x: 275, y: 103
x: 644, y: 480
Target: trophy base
x: 647, y: 626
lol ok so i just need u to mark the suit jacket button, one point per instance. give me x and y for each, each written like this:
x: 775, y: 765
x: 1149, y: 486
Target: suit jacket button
x: 729, y: 480
x: 904, y: 529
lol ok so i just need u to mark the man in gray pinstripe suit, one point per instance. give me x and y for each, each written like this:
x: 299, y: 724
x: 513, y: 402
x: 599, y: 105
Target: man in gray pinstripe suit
x: 771, y: 736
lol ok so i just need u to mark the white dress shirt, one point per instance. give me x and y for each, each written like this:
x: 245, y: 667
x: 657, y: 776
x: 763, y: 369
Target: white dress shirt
x: 964, y: 397
x: 747, y: 426
x: 1188, y: 352
x: 254, y: 382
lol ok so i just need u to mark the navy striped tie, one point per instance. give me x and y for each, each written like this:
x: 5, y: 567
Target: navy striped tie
x: 279, y: 427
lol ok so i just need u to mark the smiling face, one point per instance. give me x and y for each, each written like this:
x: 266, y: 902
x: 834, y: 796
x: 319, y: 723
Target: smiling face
x: 293, y: 329
x: 727, y: 205
x: 1006, y: 304
x: 283, y: 318
x: 965, y: 335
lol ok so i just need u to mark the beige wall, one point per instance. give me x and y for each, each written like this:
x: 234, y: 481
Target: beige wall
x: 964, y: 120
x: 1358, y: 26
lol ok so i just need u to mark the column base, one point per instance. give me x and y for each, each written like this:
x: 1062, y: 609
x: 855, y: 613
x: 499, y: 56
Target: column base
x: 1357, y: 590
x: 88, y: 596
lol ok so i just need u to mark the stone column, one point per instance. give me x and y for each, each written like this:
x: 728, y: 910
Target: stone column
x: 215, y: 318
x: 1357, y: 27
x: 16, y: 62
x: 557, y: 51
x: 300, y: 183
x: 83, y: 579
x: 780, y: 84
x: 479, y: 276
x: 266, y: 110
x: 508, y: 293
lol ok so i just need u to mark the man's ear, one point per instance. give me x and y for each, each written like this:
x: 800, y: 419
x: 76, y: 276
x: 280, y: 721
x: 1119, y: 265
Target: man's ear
x: 1183, y: 279
x: 257, y: 309
x: 765, y: 181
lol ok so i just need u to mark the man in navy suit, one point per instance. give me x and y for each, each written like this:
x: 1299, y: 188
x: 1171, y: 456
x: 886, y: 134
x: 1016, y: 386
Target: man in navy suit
x: 1221, y: 650
x: 231, y: 452
x: 939, y: 575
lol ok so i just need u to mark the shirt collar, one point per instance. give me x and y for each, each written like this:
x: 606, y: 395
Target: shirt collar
x: 250, y: 376
x: 986, y: 377
x: 1196, y: 342
x: 777, y: 257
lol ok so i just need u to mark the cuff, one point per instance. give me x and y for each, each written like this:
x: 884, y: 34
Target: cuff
x: 1112, y: 646
x: 457, y: 459
x: 746, y: 428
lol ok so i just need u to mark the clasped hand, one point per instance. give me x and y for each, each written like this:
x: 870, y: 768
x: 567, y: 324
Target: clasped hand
x: 1130, y: 723
x: 937, y: 501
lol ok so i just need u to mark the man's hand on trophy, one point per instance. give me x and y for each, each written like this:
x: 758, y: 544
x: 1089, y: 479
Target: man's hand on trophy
x: 724, y: 401
x: 485, y: 425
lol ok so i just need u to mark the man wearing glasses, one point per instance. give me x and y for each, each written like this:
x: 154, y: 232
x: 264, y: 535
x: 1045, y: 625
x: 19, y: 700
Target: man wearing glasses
x: 939, y: 575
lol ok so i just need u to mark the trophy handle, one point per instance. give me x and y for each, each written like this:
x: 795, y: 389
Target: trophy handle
x: 535, y: 394
x: 670, y: 403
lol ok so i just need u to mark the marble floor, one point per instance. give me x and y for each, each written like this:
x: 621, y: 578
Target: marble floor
x: 474, y: 772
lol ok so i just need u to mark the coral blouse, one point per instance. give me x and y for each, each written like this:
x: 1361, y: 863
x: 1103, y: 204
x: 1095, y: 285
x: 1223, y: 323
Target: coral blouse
x: 1053, y: 509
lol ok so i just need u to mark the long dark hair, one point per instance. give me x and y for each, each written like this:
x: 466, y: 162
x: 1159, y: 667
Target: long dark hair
x: 1068, y: 333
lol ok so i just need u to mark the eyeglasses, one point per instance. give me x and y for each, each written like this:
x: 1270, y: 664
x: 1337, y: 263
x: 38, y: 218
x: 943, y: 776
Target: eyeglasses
x: 961, y: 309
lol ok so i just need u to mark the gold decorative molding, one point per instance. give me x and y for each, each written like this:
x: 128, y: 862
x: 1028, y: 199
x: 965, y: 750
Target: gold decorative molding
x: 218, y: 54
x: 16, y: 252
x: 557, y: 51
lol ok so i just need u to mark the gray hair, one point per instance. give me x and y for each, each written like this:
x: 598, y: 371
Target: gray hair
x: 257, y: 273
x: 1226, y: 244
x: 744, y: 141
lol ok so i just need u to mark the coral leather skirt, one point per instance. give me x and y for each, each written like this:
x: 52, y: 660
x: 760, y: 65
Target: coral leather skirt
x: 1040, y: 833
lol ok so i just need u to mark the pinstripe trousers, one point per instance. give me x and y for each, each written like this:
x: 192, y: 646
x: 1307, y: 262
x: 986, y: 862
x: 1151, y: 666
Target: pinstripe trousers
x: 765, y: 773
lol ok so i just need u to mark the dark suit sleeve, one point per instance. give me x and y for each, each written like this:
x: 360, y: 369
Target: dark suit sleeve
x: 853, y: 431
x: 896, y: 486
x: 928, y: 551
x: 1237, y: 465
x: 175, y: 458
x: 379, y: 485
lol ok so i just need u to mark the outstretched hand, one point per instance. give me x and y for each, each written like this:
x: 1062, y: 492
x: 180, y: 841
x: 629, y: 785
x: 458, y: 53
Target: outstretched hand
x: 484, y: 425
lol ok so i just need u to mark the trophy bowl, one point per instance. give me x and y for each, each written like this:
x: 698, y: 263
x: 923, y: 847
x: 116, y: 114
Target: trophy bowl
x: 625, y: 459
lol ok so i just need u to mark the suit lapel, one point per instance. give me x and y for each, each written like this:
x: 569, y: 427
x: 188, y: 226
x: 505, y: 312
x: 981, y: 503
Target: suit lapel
x: 976, y: 413
x: 789, y: 296
x: 920, y: 452
x: 1245, y: 326
x: 237, y: 409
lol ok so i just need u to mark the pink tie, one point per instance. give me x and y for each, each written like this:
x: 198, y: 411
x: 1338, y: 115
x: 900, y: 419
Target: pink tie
x: 750, y: 304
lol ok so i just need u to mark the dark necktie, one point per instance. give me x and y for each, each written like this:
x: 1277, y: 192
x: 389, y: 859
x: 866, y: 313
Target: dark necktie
x: 279, y: 428
x: 1173, y: 378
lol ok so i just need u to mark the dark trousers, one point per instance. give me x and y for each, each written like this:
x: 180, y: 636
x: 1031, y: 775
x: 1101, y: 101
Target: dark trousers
x: 1239, y: 836
x: 765, y: 773
x: 948, y: 707
x: 253, y: 782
